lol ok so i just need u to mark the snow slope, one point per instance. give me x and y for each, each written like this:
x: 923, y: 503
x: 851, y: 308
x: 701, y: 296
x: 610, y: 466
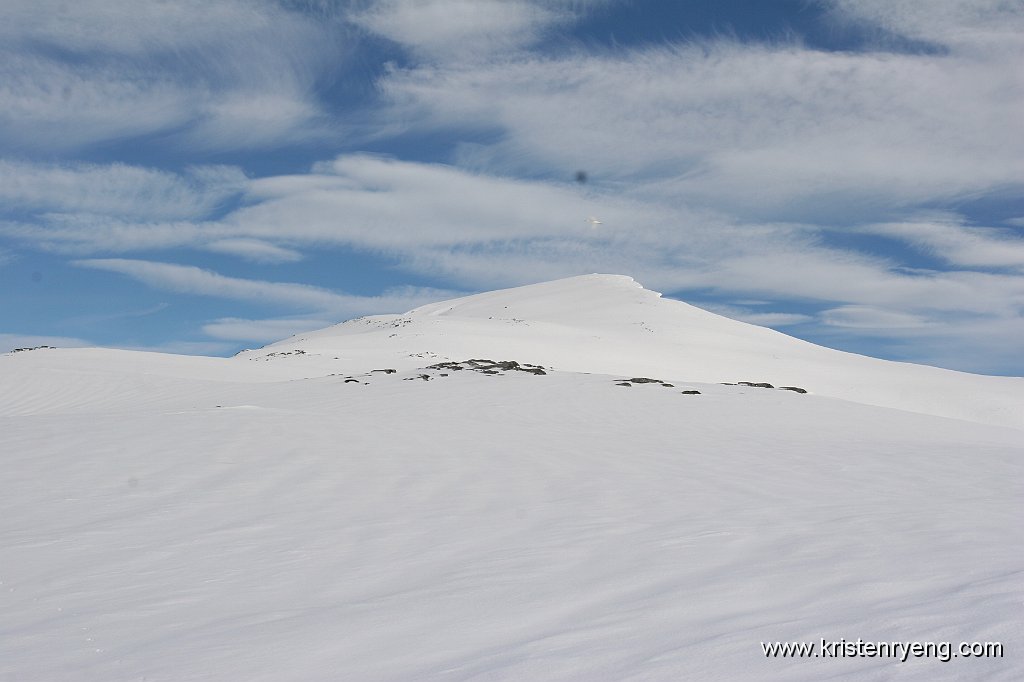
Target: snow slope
x: 295, y: 517
x: 609, y: 324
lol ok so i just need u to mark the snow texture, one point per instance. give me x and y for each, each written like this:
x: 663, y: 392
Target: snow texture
x: 292, y: 514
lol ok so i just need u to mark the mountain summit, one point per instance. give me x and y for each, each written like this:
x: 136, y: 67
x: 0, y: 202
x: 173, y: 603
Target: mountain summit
x: 610, y: 324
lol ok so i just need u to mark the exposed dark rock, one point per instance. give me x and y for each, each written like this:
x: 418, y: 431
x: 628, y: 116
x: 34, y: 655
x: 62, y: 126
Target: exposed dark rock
x: 352, y: 381
x: 646, y: 380
x: 24, y: 350
x: 755, y: 384
x: 447, y: 365
x: 690, y: 392
x: 795, y: 389
x: 490, y: 366
x: 623, y: 383
x: 386, y: 371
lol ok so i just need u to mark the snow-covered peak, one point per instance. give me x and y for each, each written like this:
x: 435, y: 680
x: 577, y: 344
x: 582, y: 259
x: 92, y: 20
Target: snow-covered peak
x: 603, y: 296
x: 610, y: 324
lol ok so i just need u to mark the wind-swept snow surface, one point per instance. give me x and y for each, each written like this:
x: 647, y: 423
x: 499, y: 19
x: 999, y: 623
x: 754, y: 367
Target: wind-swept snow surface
x: 284, y: 515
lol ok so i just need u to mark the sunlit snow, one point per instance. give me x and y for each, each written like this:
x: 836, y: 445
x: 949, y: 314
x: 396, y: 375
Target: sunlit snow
x: 292, y: 514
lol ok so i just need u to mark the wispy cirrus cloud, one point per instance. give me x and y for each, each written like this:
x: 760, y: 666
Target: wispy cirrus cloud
x: 254, y: 250
x: 116, y: 190
x: 462, y: 29
x: 948, y: 237
x: 221, y: 75
x: 486, y: 231
x: 188, y: 279
x: 866, y: 317
x: 761, y: 129
x: 961, y: 24
x: 968, y: 342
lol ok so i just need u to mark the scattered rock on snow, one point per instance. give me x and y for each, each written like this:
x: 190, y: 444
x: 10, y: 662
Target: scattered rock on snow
x: 490, y: 366
x: 643, y: 380
x: 24, y: 350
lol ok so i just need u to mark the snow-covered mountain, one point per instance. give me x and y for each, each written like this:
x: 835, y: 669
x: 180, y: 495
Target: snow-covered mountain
x: 566, y: 481
x: 609, y: 324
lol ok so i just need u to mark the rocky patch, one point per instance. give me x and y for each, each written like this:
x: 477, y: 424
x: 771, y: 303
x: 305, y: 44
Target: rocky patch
x: 280, y: 353
x: 764, y: 384
x: 25, y: 350
x: 643, y: 380
x: 490, y: 366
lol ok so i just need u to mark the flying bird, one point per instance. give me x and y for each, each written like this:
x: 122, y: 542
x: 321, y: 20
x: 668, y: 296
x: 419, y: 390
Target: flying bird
x: 594, y: 222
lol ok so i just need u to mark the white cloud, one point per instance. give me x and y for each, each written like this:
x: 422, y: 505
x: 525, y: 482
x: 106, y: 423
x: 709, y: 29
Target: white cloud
x: 262, y: 331
x: 87, y: 234
x: 866, y: 318
x: 382, y: 203
x: 949, y: 238
x: 969, y: 343
x: 759, y: 129
x: 366, y: 202
x: 255, y: 250
x: 485, y: 231
x: 116, y: 189
x: 761, y: 318
x: 47, y: 105
x: 962, y: 24
x: 129, y: 26
x: 461, y: 28
x: 964, y: 341
x: 187, y: 279
x: 226, y: 74
x: 831, y: 275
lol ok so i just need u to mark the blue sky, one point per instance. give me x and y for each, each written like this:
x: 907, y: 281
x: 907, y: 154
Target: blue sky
x: 202, y: 177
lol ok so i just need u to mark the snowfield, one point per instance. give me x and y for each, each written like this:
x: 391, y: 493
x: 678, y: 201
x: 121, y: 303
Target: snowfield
x: 291, y: 514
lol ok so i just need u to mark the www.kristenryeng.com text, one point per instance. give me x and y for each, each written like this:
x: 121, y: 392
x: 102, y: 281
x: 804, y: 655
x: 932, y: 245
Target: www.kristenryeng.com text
x: 901, y: 651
